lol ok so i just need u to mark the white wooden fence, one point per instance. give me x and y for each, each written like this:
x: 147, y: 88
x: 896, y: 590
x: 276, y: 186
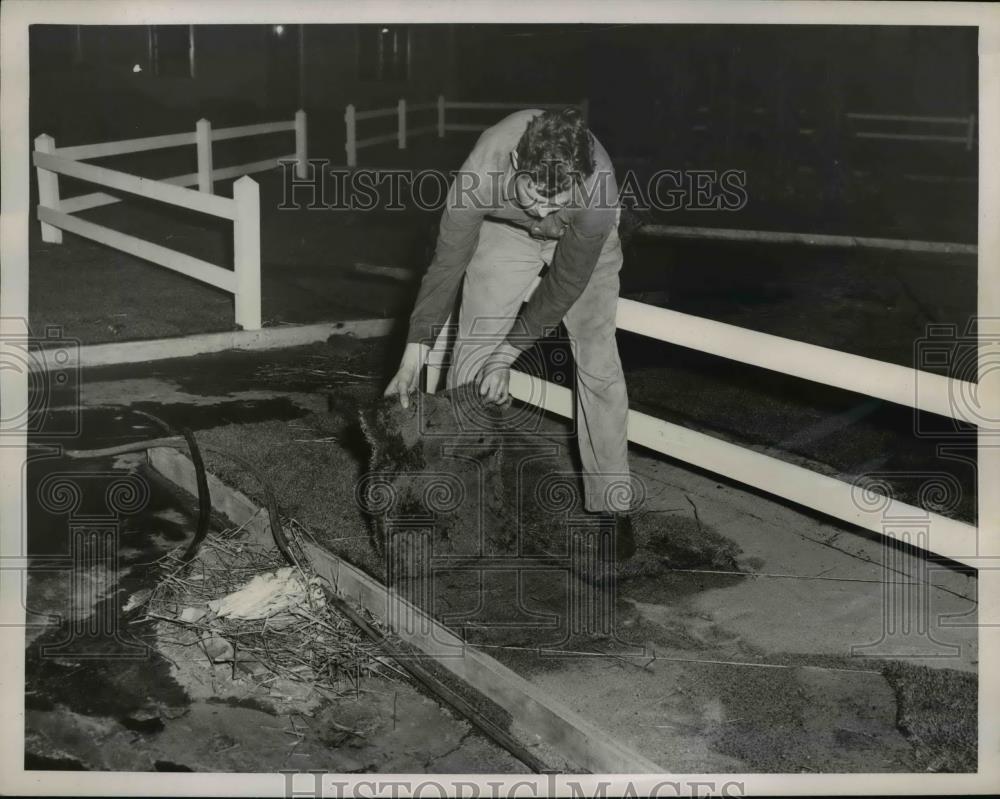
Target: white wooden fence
x: 807, y: 239
x: 967, y: 136
x: 243, y: 282
x: 898, y: 384
x: 967, y: 125
x: 401, y: 110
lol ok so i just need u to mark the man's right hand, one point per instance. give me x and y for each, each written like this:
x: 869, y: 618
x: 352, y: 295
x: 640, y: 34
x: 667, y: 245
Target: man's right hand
x: 405, y: 380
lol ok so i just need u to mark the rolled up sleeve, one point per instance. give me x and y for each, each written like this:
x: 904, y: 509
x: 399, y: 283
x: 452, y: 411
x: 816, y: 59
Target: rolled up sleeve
x: 458, y: 236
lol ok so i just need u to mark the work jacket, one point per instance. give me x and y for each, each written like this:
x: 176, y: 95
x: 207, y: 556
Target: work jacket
x: 484, y: 189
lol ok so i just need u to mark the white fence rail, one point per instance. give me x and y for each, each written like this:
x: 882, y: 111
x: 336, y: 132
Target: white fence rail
x: 898, y: 384
x: 967, y: 123
x: 809, y: 239
x: 402, y: 134
x: 243, y: 282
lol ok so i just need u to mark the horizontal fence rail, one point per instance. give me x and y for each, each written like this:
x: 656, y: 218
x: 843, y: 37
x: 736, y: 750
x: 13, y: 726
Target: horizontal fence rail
x: 84, y: 202
x: 946, y: 537
x: 811, y: 239
x: 905, y: 118
x: 179, y: 262
x: 83, y: 152
x: 967, y: 138
x: 910, y: 137
x: 375, y: 113
x: 352, y: 116
x: 261, y: 129
x: 503, y: 106
x: 902, y: 385
x: 899, y: 384
x: 143, y: 187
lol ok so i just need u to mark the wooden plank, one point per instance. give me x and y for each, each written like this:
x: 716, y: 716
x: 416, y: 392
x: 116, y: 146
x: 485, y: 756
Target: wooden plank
x: 84, y: 202
x: 227, y: 172
x: 899, y: 384
x: 904, y: 118
x: 949, y: 538
x: 920, y: 178
x: 902, y: 385
x: 261, y: 129
x: 506, y: 106
x: 809, y: 239
x: 423, y: 129
x: 144, y: 187
x: 376, y: 140
x: 909, y: 137
x: 577, y: 739
x: 268, y: 338
x: 391, y: 272
x: 374, y: 113
x: 105, y: 149
x: 177, y: 261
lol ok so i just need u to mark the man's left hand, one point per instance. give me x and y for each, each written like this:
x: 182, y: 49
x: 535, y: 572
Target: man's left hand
x: 494, y: 378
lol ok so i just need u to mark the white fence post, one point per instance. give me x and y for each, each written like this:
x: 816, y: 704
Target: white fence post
x: 301, y: 159
x: 970, y: 133
x: 440, y: 116
x: 401, y: 113
x: 48, y: 189
x: 351, y: 139
x: 585, y: 109
x: 203, y: 139
x: 246, y: 251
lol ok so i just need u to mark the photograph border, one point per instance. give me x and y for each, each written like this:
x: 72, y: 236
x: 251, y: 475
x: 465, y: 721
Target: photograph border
x: 17, y: 15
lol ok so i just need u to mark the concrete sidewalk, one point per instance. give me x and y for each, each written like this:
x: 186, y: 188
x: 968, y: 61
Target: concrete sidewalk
x: 818, y: 586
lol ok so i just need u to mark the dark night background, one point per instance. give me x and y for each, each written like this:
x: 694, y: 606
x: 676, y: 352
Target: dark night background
x: 750, y: 87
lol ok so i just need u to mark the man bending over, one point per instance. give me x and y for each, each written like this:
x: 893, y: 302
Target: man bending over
x: 537, y: 188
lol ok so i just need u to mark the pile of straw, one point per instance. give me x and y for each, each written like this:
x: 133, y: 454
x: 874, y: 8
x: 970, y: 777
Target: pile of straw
x: 242, y: 605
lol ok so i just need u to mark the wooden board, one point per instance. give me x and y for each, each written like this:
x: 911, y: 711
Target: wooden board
x: 184, y: 346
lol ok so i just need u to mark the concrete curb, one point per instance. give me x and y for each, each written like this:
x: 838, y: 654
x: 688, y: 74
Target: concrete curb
x: 183, y: 346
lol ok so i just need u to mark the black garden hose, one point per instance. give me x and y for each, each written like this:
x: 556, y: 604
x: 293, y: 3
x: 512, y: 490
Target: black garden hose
x: 186, y: 441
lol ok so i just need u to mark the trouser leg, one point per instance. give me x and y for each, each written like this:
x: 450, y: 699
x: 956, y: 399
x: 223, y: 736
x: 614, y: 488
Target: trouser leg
x: 601, y: 399
x: 506, y: 260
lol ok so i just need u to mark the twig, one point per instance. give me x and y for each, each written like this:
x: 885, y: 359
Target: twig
x: 697, y: 518
x: 354, y: 374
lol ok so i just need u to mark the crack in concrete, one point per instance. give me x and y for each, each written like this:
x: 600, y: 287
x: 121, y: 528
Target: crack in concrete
x: 455, y: 748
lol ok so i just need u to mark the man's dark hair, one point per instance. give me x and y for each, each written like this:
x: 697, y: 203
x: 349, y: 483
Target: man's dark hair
x: 555, y: 149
